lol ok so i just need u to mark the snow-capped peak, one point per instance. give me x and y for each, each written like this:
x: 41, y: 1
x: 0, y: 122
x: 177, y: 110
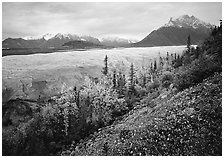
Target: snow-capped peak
x: 45, y: 36
x: 59, y: 35
x: 32, y: 37
x: 117, y: 39
x: 48, y: 36
x: 67, y: 36
x: 187, y: 21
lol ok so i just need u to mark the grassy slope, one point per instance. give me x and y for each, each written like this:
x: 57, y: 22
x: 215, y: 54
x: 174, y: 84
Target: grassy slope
x: 188, y: 123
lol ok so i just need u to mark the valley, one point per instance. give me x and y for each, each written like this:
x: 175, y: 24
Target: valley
x: 64, y: 70
x: 111, y: 79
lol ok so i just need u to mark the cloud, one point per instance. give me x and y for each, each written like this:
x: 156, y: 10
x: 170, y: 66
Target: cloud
x: 129, y: 20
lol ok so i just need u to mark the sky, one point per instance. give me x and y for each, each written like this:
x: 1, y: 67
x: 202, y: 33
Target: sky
x: 99, y: 19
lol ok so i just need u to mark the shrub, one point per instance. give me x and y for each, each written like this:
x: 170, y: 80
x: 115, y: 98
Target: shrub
x: 166, y: 79
x: 140, y: 91
x: 151, y: 86
x: 196, y: 72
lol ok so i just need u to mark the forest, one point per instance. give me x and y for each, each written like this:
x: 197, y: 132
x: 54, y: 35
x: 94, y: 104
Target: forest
x: 77, y: 121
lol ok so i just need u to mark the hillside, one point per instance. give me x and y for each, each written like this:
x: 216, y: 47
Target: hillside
x: 16, y: 43
x: 176, y: 31
x: 171, y: 36
x: 81, y: 45
x: 117, y: 42
x: 179, y: 116
x: 188, y: 123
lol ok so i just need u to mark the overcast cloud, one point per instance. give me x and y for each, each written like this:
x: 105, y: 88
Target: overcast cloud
x: 126, y: 20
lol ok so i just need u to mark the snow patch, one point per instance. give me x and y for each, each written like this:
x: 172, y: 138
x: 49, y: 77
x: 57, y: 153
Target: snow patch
x: 187, y: 21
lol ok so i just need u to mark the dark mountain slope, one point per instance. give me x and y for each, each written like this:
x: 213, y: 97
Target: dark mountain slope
x: 81, y: 44
x: 175, y: 32
x: 21, y: 43
x: 169, y: 36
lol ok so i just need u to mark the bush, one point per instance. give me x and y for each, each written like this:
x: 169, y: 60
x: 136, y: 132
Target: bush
x: 166, y: 79
x: 140, y: 91
x: 196, y: 72
x: 151, y: 86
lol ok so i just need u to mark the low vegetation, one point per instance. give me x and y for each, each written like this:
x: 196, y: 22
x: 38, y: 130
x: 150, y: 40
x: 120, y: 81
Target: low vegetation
x: 188, y: 123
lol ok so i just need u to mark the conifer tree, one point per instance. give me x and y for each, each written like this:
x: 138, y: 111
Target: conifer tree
x: 179, y: 60
x: 197, y: 51
x: 131, y: 80
x: 171, y: 55
x: 105, y: 69
x: 187, y: 60
x: 188, y: 43
x: 151, y: 67
x: 155, y: 65
x: 167, y: 56
x: 114, y: 80
x: 144, y: 80
x: 121, y: 83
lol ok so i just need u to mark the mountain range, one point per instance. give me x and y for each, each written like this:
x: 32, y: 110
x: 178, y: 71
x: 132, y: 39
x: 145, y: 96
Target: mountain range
x: 173, y: 33
x: 176, y: 31
x: 58, y: 41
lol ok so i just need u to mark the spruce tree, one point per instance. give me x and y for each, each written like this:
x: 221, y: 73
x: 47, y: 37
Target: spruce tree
x: 105, y: 69
x: 197, y: 51
x: 188, y: 43
x: 114, y: 80
x: 155, y: 65
x: 151, y: 67
x: 187, y: 59
x: 131, y: 80
x: 167, y: 56
x: 121, y: 83
x: 179, y: 60
x: 171, y: 58
x: 143, y: 80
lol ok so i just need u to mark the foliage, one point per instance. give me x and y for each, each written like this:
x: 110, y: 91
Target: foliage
x: 105, y: 69
x: 188, y: 43
x: 188, y: 123
x: 166, y: 79
x: 205, y: 62
x: 196, y: 72
x: 152, y: 86
x: 131, y: 83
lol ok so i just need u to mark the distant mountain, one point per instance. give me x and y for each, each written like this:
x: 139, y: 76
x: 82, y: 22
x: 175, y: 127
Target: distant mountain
x: 77, y: 44
x: 175, y: 32
x: 45, y: 41
x: 22, y: 43
x: 56, y: 41
x: 90, y: 39
x: 116, y: 42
